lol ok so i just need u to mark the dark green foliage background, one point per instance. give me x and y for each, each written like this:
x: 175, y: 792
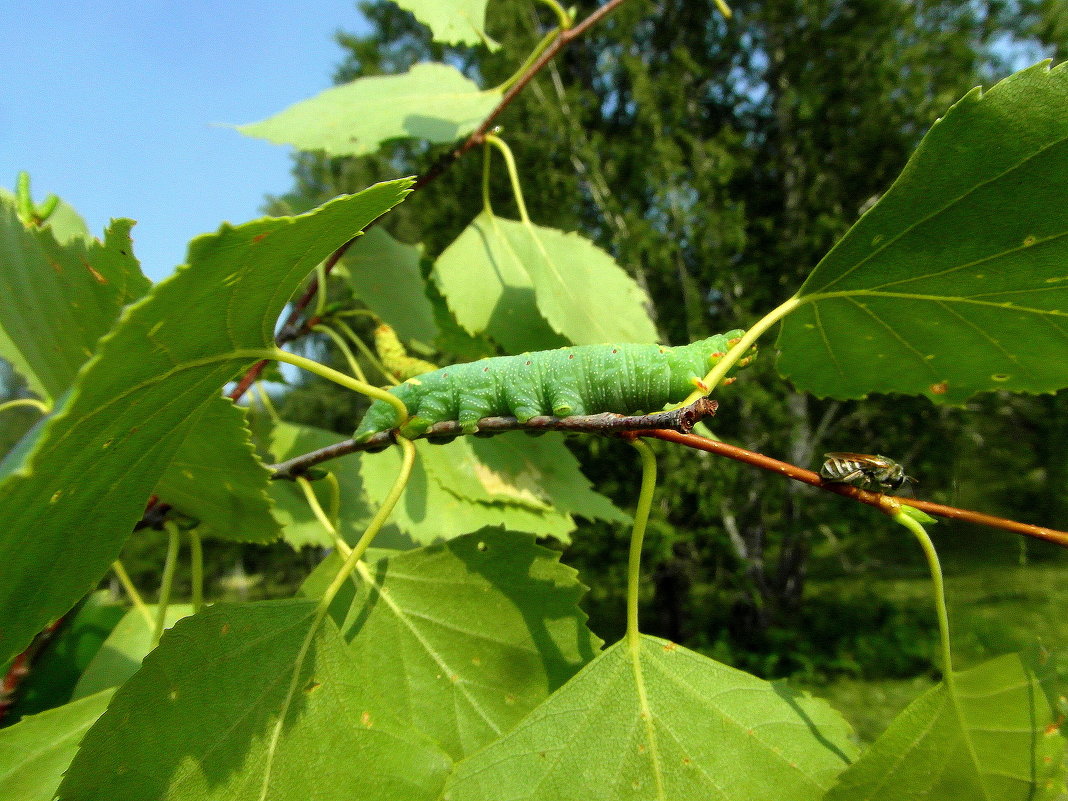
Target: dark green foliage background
x: 719, y: 162
x: 719, y: 167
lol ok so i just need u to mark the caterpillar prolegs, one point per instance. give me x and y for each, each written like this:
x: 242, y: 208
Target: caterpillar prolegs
x: 585, y: 379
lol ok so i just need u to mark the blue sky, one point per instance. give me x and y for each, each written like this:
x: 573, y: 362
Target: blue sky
x: 113, y: 106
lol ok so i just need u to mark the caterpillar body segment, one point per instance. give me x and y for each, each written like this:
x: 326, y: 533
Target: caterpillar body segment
x: 579, y: 380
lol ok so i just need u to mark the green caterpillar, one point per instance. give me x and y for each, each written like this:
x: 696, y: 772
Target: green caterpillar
x: 586, y: 379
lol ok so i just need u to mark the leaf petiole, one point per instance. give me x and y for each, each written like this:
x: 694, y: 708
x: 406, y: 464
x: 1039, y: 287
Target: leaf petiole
x: 637, y: 535
x: 513, y: 175
x: 131, y: 591
x: 32, y: 402
x: 340, y: 378
x: 196, y: 569
x: 173, y: 538
x: 938, y: 591
x: 343, y: 346
x: 742, y: 346
x: 327, y: 521
x: 351, y: 561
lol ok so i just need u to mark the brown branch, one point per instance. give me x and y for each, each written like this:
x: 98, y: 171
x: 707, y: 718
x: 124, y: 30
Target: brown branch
x: 477, y: 136
x: 290, y: 329
x: 682, y: 420
x: 885, y: 503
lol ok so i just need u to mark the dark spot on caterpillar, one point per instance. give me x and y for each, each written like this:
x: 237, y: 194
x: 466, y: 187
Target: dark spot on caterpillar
x: 615, y: 350
x: 528, y: 361
x: 716, y: 355
x: 258, y: 237
x: 485, y: 369
x: 571, y: 355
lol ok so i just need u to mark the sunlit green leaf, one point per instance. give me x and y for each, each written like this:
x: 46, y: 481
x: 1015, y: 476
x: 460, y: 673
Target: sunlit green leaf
x: 229, y: 670
x: 452, y: 337
x: 102, y: 454
x: 75, y: 291
x: 36, y: 750
x: 544, y: 467
x: 461, y: 472
x: 489, y: 291
x: 661, y: 723
x: 434, y: 102
x: 539, y: 473
x: 216, y: 478
x: 428, y: 510
x: 534, y: 288
x: 121, y: 653
x: 956, y: 281
x: 993, y: 743
x: 462, y: 639
x: 452, y: 21
x: 385, y: 275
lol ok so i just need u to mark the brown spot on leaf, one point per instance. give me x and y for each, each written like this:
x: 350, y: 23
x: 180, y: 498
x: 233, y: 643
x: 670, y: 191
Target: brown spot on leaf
x: 312, y: 686
x: 670, y: 646
x: 225, y: 629
x: 92, y: 271
x: 941, y: 388
x: 365, y: 720
x: 258, y: 237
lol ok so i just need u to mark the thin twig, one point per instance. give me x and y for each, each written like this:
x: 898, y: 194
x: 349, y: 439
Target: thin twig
x: 607, y: 423
x: 292, y: 328
x: 885, y: 503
